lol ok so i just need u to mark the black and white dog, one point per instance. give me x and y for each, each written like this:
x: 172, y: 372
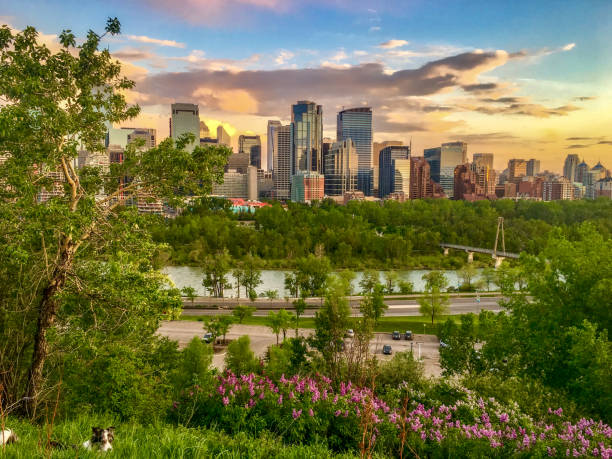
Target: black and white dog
x: 101, y: 439
x: 8, y: 436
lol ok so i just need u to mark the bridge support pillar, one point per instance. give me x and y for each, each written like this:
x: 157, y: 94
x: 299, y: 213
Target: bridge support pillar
x: 446, y: 251
x: 470, y: 257
x: 498, y: 261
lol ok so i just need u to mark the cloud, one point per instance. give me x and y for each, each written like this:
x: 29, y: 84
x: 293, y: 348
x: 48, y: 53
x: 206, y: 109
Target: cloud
x: 283, y: 56
x: 576, y: 146
x: 133, y: 54
x: 481, y: 87
x: 155, y: 41
x: 604, y: 142
x: 393, y: 44
x: 584, y: 98
x: 568, y: 47
x: 374, y: 29
x: 526, y: 109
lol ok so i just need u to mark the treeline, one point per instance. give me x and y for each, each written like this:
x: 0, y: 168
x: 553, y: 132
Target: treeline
x: 372, y: 234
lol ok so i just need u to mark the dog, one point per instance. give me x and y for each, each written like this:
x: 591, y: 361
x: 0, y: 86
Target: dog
x: 101, y: 439
x: 8, y: 436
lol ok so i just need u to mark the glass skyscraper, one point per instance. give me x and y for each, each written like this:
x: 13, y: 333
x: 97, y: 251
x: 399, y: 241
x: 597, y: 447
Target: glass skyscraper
x: 185, y: 119
x: 356, y: 124
x: 306, y: 137
x: 386, y: 171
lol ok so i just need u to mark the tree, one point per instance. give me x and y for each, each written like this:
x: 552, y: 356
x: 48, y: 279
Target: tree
x: 218, y: 325
x: 300, y: 306
x: 251, y: 275
x: 405, y: 287
x: 189, y: 292
x: 391, y: 279
x: 59, y: 223
x: 240, y: 358
x: 434, y: 303
x: 312, y: 275
x: 242, y: 312
x: 194, y: 367
x: 271, y: 294
x: 238, y: 274
x: 467, y: 274
x: 488, y: 277
x: 286, y: 319
x: 274, y: 323
x: 216, y: 267
x: 369, y: 280
x: 348, y: 277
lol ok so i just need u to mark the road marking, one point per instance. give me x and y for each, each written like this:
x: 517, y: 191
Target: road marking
x: 404, y: 306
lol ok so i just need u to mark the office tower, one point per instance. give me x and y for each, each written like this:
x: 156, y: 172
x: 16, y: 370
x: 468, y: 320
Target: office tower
x: 265, y: 184
x: 235, y: 185
x: 238, y: 162
x: 251, y: 145
x: 282, y: 162
x: 341, y: 166
x: 420, y: 186
x: 204, y: 131
x: 307, y: 136
x: 516, y: 168
x: 603, y: 188
x: 401, y: 176
x: 483, y: 159
x: 581, y: 172
x: 326, y: 150
x: 466, y: 185
x: 386, y: 173
x: 223, y: 138
x: 273, y: 125
x: 533, y: 167
x: 307, y: 186
x: 595, y: 174
x: 432, y: 156
x: 185, y: 119
x: 356, y: 124
x: 484, y: 175
x: 377, y: 146
x: 570, y: 167
x: 451, y: 155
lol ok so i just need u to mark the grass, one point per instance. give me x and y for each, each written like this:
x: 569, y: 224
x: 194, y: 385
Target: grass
x: 416, y: 324
x: 156, y: 440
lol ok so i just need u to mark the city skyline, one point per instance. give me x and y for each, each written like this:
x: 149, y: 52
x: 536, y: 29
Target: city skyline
x: 526, y: 82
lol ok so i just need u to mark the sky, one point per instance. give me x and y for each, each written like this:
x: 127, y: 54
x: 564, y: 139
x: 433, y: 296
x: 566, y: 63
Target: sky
x: 520, y: 79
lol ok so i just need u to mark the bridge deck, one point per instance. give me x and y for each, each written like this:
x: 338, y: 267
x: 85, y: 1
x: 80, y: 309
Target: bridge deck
x: 479, y: 250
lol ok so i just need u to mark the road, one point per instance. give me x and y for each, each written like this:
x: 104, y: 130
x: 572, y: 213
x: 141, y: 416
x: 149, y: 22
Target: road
x: 396, y: 307
x: 261, y: 337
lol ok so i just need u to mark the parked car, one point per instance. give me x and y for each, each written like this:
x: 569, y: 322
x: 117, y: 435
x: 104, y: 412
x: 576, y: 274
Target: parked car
x: 408, y: 335
x: 208, y: 337
x: 349, y: 333
x: 396, y: 335
x: 387, y: 349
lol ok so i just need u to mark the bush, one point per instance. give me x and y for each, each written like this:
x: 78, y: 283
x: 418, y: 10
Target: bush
x: 240, y: 358
x: 402, y: 368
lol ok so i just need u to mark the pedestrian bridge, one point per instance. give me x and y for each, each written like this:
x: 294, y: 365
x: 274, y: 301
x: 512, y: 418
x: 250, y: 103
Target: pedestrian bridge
x: 469, y: 249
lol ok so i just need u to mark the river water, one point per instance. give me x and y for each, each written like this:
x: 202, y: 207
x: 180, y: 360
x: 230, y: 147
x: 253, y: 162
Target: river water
x: 185, y: 276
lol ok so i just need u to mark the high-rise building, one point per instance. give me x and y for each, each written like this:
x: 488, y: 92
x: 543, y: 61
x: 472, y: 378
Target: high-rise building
x: 401, y: 176
x: 326, y: 150
x: 307, y: 186
x: 483, y: 159
x: 466, y: 185
x: 603, y: 187
x: 581, y: 172
x: 377, y: 146
x: 596, y: 173
x: 516, y: 168
x: 273, y: 125
x: 356, y: 124
x: 420, y: 186
x: 570, y: 167
x: 204, y: 131
x: 533, y: 167
x: 223, y: 138
x: 386, y: 173
x: 238, y: 162
x: 432, y: 156
x: 451, y: 155
x: 185, y: 119
x: 558, y: 189
x: 341, y: 166
x: 484, y: 175
x: 281, y: 162
x: 306, y: 136
x: 251, y: 145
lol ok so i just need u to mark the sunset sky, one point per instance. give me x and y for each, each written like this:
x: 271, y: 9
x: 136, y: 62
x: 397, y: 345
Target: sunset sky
x: 520, y: 79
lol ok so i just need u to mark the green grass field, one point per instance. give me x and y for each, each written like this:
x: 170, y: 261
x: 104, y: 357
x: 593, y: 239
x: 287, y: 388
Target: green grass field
x: 157, y: 440
x: 416, y: 324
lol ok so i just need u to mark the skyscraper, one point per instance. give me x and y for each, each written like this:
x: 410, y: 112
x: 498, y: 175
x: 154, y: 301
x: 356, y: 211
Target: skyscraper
x: 581, y: 172
x: 401, y: 176
x: 533, y: 167
x: 570, y: 167
x: 451, y: 155
x: 273, y: 125
x: 516, y: 168
x: 386, y: 173
x: 251, y: 144
x: 306, y: 136
x: 356, y: 124
x: 281, y: 162
x: 432, y: 156
x: 341, y: 166
x: 223, y: 138
x: 483, y: 159
x: 185, y: 119
x: 420, y: 186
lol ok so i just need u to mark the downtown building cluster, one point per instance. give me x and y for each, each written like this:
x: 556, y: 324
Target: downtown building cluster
x: 302, y: 165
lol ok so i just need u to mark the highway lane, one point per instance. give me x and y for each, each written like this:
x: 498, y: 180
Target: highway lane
x: 396, y: 308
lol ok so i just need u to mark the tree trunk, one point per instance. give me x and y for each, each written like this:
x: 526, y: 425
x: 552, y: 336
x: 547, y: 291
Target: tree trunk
x: 46, y: 317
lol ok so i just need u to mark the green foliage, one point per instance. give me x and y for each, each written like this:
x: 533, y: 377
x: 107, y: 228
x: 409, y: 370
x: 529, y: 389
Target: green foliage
x: 240, y: 358
x: 242, y: 312
x: 405, y: 287
x: 280, y: 321
x: 391, y: 280
x: 218, y: 325
x: 402, y: 368
x: 189, y: 292
x: 194, y: 366
x: 216, y: 267
x: 434, y: 303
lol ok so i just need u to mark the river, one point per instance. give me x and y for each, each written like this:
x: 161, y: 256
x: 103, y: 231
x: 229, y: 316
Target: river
x: 185, y: 276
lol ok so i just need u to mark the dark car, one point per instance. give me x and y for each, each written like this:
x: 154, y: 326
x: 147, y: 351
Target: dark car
x: 408, y: 335
x: 396, y: 335
x: 387, y: 349
x: 208, y: 337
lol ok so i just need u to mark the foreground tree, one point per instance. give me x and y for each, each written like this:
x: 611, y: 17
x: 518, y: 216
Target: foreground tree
x: 434, y: 303
x: 63, y: 230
